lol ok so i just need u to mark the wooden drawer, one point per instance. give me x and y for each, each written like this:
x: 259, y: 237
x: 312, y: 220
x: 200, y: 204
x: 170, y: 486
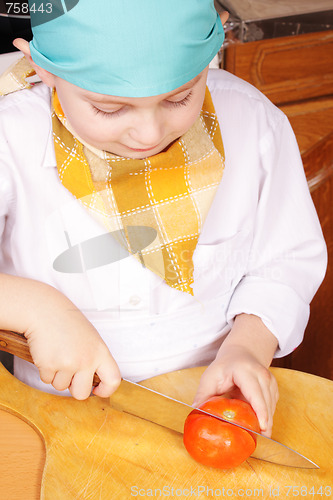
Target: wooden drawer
x: 285, y: 69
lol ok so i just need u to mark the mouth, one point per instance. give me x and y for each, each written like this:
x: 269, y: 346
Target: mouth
x: 143, y: 150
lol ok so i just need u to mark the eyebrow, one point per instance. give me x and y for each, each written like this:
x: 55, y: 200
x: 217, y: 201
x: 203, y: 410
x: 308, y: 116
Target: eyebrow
x: 115, y: 99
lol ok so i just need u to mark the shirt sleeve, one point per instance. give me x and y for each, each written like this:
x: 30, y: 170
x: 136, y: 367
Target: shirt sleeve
x: 288, y: 258
x: 6, y: 191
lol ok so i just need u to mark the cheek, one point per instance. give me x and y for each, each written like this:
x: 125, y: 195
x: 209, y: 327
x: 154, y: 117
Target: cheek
x: 100, y: 130
x: 86, y: 123
x: 94, y: 128
x: 187, y: 119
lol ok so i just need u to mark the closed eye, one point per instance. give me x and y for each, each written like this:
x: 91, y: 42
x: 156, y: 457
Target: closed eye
x: 182, y: 102
x: 114, y: 114
x: 108, y: 114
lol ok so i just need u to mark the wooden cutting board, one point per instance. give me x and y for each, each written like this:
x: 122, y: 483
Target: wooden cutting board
x: 57, y: 448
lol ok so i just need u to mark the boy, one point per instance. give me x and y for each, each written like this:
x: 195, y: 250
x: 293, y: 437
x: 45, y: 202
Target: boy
x: 235, y: 251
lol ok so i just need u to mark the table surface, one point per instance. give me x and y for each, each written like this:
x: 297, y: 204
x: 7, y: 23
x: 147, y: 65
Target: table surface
x: 57, y: 448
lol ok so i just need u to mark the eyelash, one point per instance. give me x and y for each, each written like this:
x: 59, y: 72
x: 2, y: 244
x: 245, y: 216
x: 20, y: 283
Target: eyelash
x: 183, y: 102
x: 173, y: 104
x: 111, y: 114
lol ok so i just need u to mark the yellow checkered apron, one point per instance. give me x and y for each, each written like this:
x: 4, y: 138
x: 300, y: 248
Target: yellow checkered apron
x: 170, y: 192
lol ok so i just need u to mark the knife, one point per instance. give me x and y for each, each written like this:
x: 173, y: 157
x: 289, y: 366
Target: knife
x: 150, y: 405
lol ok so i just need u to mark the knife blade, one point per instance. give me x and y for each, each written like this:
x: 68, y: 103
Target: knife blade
x: 145, y: 403
x: 148, y: 404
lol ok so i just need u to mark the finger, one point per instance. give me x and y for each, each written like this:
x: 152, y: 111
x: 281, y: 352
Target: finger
x: 253, y: 393
x: 212, y: 382
x: 266, y: 419
x: 46, y: 375
x: 206, y: 388
x: 264, y: 380
x: 80, y: 387
x: 62, y: 380
x: 110, y: 377
x: 271, y: 395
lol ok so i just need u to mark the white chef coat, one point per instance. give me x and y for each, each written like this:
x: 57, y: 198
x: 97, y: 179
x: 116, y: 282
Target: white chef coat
x: 261, y: 250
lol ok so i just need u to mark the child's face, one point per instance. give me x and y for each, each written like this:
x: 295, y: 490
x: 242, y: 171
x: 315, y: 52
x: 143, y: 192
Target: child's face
x: 132, y: 127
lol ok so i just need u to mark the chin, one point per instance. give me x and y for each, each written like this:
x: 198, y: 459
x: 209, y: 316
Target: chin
x: 135, y: 155
x: 140, y: 155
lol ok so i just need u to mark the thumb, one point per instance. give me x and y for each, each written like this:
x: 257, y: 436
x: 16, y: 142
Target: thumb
x: 211, y: 385
x: 110, y: 379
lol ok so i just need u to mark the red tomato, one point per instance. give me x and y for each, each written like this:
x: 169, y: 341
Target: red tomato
x: 218, y: 444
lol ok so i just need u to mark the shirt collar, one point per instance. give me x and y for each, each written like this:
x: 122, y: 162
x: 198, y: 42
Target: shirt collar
x: 49, y: 157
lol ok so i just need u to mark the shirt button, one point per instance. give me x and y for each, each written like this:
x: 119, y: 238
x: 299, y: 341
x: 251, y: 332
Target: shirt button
x: 135, y: 300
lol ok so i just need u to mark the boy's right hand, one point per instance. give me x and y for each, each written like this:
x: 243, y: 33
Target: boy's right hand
x: 68, y: 350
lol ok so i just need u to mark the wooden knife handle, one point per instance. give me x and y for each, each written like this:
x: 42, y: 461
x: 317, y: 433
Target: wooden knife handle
x: 16, y: 344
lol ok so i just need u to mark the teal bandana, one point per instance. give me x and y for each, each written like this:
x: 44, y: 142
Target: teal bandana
x: 129, y: 48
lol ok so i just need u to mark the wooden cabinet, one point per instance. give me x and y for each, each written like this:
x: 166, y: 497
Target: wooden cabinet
x: 287, y: 69
x: 296, y: 73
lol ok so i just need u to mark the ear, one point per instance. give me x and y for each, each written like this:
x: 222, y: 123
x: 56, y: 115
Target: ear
x: 224, y: 16
x: 45, y: 76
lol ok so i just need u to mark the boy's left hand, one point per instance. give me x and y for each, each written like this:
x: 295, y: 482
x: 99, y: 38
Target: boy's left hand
x: 236, y: 371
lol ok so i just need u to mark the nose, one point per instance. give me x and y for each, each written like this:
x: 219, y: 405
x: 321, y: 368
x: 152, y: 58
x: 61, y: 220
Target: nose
x: 147, y: 129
